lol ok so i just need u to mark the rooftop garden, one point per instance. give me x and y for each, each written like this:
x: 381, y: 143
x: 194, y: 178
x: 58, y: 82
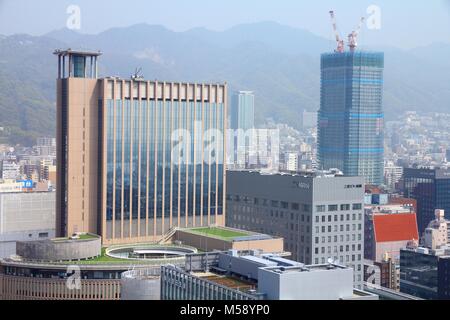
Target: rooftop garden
x: 220, y: 233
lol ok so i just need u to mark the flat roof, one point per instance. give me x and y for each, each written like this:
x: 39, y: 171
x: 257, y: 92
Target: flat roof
x: 219, y: 232
x: 310, y: 268
x: 69, y: 51
x: 227, y: 281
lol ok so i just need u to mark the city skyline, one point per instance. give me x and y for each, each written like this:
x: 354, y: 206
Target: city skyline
x: 148, y: 164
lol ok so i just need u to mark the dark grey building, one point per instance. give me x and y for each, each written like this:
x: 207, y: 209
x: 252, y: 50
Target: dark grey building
x: 431, y: 189
x: 444, y: 278
x: 425, y: 273
x: 319, y: 215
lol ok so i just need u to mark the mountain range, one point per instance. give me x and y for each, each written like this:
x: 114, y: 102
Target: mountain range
x: 280, y: 64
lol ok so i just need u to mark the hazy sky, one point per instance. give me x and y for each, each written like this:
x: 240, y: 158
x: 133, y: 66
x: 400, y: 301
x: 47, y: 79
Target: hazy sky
x: 403, y: 23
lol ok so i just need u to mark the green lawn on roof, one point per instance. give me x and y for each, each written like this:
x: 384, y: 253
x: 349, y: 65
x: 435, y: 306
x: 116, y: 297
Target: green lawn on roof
x: 219, y: 233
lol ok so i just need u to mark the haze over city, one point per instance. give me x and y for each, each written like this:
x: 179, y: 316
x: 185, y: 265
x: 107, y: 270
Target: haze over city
x: 404, y: 24
x: 239, y: 154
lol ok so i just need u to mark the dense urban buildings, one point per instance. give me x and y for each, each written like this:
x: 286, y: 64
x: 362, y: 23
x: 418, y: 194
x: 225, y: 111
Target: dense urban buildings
x: 117, y: 174
x: 424, y: 269
x: 243, y: 275
x: 430, y: 187
x: 320, y: 215
x: 418, y: 139
x: 350, y: 121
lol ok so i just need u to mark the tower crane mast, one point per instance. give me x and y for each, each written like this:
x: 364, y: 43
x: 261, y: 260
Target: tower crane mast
x: 352, y: 37
x: 339, y: 42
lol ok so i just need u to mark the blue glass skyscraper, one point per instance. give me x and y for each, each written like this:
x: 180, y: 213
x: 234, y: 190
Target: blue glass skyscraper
x: 350, y: 120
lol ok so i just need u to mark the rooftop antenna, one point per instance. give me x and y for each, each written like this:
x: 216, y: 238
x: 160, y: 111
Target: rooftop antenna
x: 137, y: 74
x: 353, y: 37
x: 339, y: 42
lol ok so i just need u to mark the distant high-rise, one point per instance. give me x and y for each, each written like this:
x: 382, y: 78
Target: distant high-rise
x: 242, y: 115
x: 117, y: 173
x: 350, y: 120
x: 243, y: 110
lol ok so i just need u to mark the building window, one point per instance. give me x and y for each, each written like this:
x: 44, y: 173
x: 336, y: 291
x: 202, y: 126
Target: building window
x: 357, y: 206
x: 295, y: 206
x: 333, y: 207
x: 345, y: 207
x: 320, y: 208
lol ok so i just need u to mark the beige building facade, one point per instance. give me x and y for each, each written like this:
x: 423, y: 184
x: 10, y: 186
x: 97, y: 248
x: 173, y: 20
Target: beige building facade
x: 136, y: 158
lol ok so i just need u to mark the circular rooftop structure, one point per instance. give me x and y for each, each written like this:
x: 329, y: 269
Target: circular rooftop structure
x: 164, y: 253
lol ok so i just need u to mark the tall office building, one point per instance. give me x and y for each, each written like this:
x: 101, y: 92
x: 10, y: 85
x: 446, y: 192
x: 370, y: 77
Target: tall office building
x: 319, y: 215
x: 242, y: 115
x: 350, y: 121
x: 125, y: 171
x: 243, y: 110
x: 430, y: 187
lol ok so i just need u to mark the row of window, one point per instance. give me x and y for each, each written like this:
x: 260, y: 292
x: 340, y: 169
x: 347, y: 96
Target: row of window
x: 342, y: 249
x: 270, y: 203
x: 342, y: 217
x: 335, y: 207
x: 334, y: 239
x: 338, y: 228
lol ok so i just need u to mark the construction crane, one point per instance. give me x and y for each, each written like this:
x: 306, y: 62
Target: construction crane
x: 340, y: 43
x: 353, y: 37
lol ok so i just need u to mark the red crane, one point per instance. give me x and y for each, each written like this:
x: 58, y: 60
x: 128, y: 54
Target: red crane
x: 340, y: 43
x: 352, y: 37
